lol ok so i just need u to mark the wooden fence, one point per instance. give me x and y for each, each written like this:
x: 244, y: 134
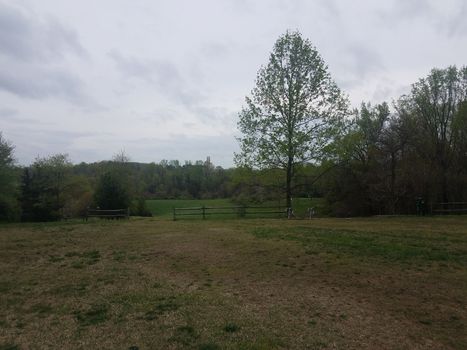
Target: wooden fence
x: 449, y: 208
x: 108, y: 214
x: 234, y: 211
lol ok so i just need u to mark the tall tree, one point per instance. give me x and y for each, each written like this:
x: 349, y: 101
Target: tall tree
x: 294, y: 112
x: 436, y: 104
x: 113, y: 190
x: 44, y: 188
x: 9, y: 208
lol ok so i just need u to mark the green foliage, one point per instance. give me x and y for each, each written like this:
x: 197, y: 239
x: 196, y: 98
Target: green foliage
x: 9, y: 346
x: 354, y: 187
x: 140, y: 208
x: 44, y: 188
x: 387, y: 160
x: 9, y: 206
x: 209, y: 346
x: 112, y: 191
x: 256, y: 186
x: 295, y: 111
x: 231, y: 328
x: 437, y: 104
x: 166, y: 180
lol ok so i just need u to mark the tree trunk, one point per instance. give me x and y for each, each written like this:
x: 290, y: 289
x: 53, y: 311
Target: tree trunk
x: 393, y: 183
x: 288, y: 187
x: 444, y: 184
x: 444, y: 165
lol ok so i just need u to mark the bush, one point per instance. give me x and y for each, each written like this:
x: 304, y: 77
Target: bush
x: 112, y: 192
x: 140, y: 208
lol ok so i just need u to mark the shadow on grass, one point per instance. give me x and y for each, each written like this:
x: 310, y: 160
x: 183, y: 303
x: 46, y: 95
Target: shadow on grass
x: 388, y: 246
x: 96, y: 314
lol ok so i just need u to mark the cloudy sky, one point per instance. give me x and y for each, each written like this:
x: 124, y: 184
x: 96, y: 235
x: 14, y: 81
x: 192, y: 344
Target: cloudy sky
x: 166, y: 79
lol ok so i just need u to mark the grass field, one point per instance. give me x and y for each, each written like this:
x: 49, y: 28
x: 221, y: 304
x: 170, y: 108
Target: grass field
x: 164, y: 207
x: 374, y: 283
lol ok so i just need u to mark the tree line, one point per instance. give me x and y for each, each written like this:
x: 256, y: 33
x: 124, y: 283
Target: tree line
x: 299, y: 138
x: 375, y: 161
x: 52, y: 187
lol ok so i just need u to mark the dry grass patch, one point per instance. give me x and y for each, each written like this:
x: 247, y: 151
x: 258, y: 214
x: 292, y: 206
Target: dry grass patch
x: 240, y: 284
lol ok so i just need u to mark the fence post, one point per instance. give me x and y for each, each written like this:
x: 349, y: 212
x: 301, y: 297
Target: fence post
x: 241, y: 211
x: 204, y: 212
x: 311, y: 212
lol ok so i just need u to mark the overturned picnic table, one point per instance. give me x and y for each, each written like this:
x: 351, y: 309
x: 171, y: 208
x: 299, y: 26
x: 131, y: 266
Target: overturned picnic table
x: 108, y: 213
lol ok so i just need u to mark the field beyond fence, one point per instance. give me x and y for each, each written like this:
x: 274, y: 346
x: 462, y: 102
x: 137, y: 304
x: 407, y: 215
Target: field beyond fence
x: 163, y: 208
x: 240, y: 211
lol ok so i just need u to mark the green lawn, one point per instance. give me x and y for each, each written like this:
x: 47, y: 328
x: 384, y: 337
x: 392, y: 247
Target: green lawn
x: 164, y: 207
x: 152, y: 283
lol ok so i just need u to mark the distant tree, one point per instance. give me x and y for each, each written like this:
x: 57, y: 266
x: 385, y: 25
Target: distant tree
x: 112, y: 192
x: 29, y: 196
x: 44, y: 188
x: 354, y: 186
x: 114, y: 188
x: 294, y: 112
x: 121, y: 157
x: 9, y: 207
x: 436, y: 104
x: 79, y: 196
x: 140, y: 208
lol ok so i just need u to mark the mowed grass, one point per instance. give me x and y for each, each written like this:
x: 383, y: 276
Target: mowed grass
x: 164, y: 207
x: 370, y: 283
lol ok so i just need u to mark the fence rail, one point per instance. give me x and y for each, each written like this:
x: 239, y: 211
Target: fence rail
x: 446, y: 208
x: 234, y: 211
x: 108, y: 213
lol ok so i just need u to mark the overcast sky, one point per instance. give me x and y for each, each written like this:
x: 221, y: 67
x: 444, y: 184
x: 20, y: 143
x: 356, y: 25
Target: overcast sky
x: 166, y: 79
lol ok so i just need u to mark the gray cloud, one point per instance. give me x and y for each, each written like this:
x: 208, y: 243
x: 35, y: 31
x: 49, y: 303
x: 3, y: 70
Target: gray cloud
x: 220, y: 148
x: 406, y: 10
x: 216, y: 116
x: 166, y: 78
x: 32, y: 49
x: 447, y: 17
x: 180, y: 70
x: 216, y: 50
x: 360, y: 62
x: 364, y: 60
x: 455, y: 24
x: 12, y: 116
x: 41, y: 82
x: 161, y: 74
x: 331, y: 7
x: 27, y: 38
x: 39, y: 141
x: 8, y: 112
x: 389, y: 88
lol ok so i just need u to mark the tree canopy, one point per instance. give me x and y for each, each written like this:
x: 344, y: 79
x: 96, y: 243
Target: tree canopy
x: 294, y: 112
x: 44, y: 188
x: 9, y: 208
